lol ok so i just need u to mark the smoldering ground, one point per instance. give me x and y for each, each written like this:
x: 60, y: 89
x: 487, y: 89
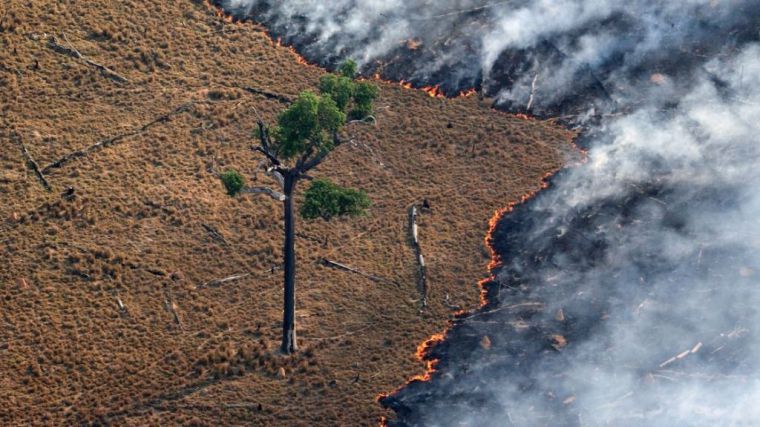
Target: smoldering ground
x: 626, y: 292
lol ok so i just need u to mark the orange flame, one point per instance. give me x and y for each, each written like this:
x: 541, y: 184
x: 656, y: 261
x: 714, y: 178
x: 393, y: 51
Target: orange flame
x: 424, y: 348
x: 434, y: 91
x: 413, y: 44
x: 220, y: 13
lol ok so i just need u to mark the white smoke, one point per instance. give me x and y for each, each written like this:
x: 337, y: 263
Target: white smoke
x: 657, y: 235
x: 709, y: 142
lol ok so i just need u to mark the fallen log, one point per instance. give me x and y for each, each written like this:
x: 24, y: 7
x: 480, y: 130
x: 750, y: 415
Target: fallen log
x: 171, y: 306
x: 74, y: 53
x: 327, y: 263
x: 214, y: 234
x: 421, y: 270
x: 269, y: 95
x: 114, y: 139
x: 33, y: 164
x: 217, y: 282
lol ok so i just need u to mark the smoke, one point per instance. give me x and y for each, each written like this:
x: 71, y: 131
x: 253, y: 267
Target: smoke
x: 627, y: 292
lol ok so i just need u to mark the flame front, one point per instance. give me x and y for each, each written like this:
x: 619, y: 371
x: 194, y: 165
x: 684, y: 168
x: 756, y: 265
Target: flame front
x: 434, y: 91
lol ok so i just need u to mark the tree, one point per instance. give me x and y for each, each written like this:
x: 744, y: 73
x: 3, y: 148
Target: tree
x: 306, y: 132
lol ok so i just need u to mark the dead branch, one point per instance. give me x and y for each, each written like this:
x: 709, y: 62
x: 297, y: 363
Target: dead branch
x: 314, y: 162
x: 462, y: 11
x: 265, y: 190
x: 74, y: 53
x: 327, y: 263
x: 421, y: 270
x: 447, y: 303
x: 214, y: 233
x: 367, y: 120
x: 217, y: 282
x: 269, y: 95
x: 532, y: 92
x: 171, y: 306
x: 529, y: 305
x: 277, y: 177
x: 114, y: 139
x: 32, y: 163
x: 682, y: 354
x: 121, y: 305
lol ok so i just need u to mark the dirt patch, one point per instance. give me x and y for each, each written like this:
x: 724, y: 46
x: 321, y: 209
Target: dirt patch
x: 105, y: 316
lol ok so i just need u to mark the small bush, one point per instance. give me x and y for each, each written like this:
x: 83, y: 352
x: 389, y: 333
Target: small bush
x: 324, y: 199
x: 232, y: 181
x: 348, y: 69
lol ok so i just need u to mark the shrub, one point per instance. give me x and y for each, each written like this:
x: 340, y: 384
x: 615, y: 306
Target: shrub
x: 348, y: 68
x: 324, y: 199
x: 233, y: 181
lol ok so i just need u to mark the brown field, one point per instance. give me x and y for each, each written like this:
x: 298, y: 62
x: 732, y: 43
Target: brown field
x: 182, y: 353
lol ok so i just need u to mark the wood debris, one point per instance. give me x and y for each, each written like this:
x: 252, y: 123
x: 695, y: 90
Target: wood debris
x: 74, y: 53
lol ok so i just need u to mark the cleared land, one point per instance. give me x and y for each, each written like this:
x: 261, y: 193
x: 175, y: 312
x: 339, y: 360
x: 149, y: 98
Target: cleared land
x: 105, y: 316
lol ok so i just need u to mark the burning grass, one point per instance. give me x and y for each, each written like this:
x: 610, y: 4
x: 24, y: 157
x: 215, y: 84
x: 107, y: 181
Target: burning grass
x: 105, y: 316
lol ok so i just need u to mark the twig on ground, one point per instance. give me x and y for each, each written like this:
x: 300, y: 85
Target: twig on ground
x: 172, y: 307
x: 327, y: 263
x: 32, y: 163
x: 217, y: 282
x: 269, y: 95
x: 74, y: 53
x: 214, y: 234
x: 421, y: 270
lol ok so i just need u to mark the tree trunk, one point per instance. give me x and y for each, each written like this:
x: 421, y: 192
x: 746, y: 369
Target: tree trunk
x: 289, y: 267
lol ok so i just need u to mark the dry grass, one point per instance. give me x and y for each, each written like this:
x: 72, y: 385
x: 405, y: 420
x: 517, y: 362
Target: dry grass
x: 134, y: 232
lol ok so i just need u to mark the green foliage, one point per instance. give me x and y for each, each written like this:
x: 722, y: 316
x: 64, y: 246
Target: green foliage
x: 339, y: 88
x: 364, y: 95
x: 310, y: 118
x: 327, y: 200
x: 348, y: 69
x: 233, y: 181
x: 349, y: 93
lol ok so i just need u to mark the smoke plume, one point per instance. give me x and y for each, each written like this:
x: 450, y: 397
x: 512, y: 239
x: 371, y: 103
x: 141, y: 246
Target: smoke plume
x: 627, y: 292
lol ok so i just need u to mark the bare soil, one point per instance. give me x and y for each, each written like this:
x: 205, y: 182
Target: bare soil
x: 105, y: 316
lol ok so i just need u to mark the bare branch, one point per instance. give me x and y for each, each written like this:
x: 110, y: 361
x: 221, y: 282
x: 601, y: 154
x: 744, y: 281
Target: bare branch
x: 307, y: 153
x: 265, y: 190
x: 32, y: 163
x: 532, y: 92
x: 266, y: 146
x: 217, y: 282
x: 311, y: 164
x: 74, y: 53
x: 272, y: 159
x: 277, y: 177
x: 367, y: 120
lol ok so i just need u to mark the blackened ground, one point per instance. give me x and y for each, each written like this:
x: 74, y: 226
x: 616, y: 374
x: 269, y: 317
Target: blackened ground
x: 531, y: 325
x: 448, y: 51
